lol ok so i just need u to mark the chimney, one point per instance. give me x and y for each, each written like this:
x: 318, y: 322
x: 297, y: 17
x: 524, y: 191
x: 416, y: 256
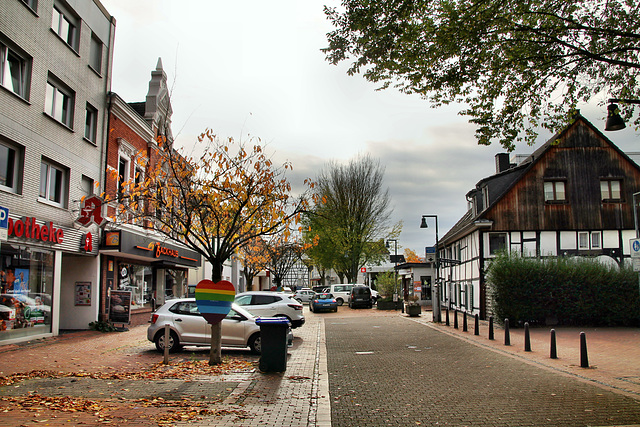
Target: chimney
x: 502, y: 162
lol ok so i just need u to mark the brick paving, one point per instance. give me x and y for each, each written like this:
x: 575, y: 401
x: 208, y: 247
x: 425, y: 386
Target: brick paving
x: 354, y: 367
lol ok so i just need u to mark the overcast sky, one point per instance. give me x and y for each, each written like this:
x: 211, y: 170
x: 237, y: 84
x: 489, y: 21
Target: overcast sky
x: 254, y: 68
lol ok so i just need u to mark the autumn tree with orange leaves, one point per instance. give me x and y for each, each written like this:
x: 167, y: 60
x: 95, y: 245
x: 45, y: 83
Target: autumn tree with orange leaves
x: 253, y: 257
x: 216, y: 203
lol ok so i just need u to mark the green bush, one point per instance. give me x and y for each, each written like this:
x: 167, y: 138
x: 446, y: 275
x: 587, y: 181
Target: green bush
x: 573, y: 291
x: 102, y: 326
x: 386, y: 285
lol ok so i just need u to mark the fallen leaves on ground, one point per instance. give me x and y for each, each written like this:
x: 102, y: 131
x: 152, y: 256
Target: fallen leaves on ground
x: 167, y: 411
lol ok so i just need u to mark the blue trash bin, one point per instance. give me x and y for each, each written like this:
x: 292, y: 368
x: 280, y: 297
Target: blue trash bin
x: 273, y: 354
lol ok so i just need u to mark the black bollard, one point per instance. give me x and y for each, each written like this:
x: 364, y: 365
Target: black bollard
x: 455, y: 318
x: 464, y: 322
x: 507, y: 337
x: 477, y: 325
x: 527, y: 337
x: 584, y: 358
x: 554, y: 349
x: 491, y: 328
x: 447, y: 316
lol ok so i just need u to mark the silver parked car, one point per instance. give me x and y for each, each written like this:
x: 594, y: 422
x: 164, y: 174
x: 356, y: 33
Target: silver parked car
x: 188, y: 327
x: 304, y: 295
x: 272, y: 304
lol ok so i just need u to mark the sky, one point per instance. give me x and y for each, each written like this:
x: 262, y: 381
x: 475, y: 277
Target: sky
x: 253, y: 68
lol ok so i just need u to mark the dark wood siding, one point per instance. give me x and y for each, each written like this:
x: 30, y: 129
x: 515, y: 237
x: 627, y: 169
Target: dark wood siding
x: 582, y: 158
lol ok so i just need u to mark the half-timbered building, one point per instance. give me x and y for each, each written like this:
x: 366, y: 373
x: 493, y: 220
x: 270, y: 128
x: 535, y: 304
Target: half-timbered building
x: 572, y: 197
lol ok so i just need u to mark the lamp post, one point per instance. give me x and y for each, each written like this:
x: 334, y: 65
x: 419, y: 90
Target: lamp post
x: 395, y: 283
x: 435, y: 289
x: 614, y: 120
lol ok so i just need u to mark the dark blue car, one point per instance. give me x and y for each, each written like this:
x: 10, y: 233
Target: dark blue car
x: 323, y: 302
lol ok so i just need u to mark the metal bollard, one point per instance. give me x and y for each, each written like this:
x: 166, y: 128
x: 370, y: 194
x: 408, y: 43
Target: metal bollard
x: 464, y: 322
x: 167, y: 337
x: 554, y: 349
x: 491, y: 337
x: 584, y: 358
x: 507, y: 337
x: 527, y: 337
x: 455, y: 318
x: 447, y: 316
x: 476, y: 331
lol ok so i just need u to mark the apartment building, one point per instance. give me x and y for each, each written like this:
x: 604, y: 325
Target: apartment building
x: 55, y: 73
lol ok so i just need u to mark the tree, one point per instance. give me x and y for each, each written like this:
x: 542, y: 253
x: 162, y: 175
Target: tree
x: 352, y: 214
x: 254, y: 260
x: 518, y: 65
x: 282, y: 255
x: 411, y: 256
x: 214, y: 204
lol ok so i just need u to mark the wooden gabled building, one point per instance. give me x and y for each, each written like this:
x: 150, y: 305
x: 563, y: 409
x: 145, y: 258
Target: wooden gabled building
x: 572, y: 197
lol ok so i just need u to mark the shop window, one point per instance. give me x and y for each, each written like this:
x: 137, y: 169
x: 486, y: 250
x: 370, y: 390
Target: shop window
x: 11, y: 167
x: 27, y: 286
x: 138, y: 279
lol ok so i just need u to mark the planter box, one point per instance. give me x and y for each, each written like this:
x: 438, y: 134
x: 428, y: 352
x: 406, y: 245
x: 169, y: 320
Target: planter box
x: 389, y: 305
x: 413, y: 310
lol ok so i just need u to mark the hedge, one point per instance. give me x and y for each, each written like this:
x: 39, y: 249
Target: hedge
x: 569, y: 291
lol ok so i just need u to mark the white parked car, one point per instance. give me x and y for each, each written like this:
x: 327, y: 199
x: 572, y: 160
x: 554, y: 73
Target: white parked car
x: 189, y: 328
x: 271, y: 304
x: 304, y: 295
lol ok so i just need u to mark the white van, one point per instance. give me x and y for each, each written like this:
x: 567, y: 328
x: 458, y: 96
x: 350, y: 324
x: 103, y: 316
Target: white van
x: 342, y: 291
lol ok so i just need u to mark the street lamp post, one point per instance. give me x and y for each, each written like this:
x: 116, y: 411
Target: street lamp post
x: 435, y: 289
x: 395, y: 283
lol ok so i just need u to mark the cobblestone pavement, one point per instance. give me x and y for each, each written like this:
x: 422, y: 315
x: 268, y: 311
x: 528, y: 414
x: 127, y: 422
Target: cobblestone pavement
x: 395, y: 371
x: 384, y: 369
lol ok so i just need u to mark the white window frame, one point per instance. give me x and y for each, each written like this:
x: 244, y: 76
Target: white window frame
x: 583, y: 240
x: 15, y: 70
x: 65, y: 25
x: 59, y: 103
x: 91, y: 123
x: 607, y: 192
x: 596, y: 240
x: 54, y: 196
x: 95, y: 54
x: 555, y: 191
x: 12, y: 166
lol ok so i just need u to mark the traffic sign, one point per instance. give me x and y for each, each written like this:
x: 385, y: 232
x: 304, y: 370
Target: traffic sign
x: 4, y: 223
x: 635, y: 248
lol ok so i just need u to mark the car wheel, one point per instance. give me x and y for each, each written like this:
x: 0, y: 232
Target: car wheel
x: 255, y: 343
x: 339, y: 301
x: 173, y: 345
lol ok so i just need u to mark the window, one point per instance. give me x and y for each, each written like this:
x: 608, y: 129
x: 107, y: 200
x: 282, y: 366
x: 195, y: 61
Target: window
x: 32, y: 4
x: 596, y: 240
x: 91, y: 123
x: 15, y: 70
x: 611, y: 189
x: 64, y: 25
x: 497, y: 242
x: 86, y: 186
x: 554, y: 191
x: 53, y: 183
x: 95, y: 54
x: 583, y: 240
x: 10, y: 167
x: 123, y: 176
x: 59, y: 103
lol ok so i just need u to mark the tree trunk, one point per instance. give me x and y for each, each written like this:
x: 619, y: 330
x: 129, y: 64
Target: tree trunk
x: 215, y: 355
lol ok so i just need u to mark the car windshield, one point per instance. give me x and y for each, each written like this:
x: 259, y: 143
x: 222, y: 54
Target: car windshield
x: 324, y: 296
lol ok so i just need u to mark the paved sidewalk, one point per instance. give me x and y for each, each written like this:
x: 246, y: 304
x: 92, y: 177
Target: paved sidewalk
x: 613, y: 353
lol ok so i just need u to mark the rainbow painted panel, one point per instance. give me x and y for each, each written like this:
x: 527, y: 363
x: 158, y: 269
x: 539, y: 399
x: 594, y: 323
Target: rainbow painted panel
x: 214, y: 299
